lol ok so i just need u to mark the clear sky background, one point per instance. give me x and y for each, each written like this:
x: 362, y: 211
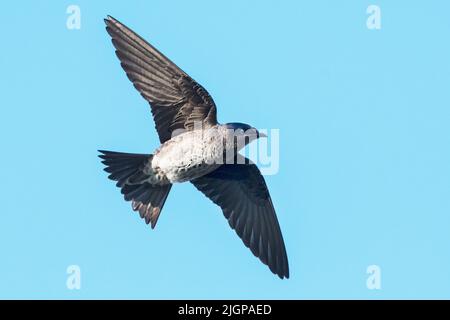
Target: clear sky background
x: 364, y: 173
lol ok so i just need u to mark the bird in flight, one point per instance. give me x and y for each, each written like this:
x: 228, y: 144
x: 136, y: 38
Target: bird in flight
x: 195, y: 148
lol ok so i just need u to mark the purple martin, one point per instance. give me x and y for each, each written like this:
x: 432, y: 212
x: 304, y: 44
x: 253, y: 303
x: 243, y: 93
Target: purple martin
x: 195, y: 148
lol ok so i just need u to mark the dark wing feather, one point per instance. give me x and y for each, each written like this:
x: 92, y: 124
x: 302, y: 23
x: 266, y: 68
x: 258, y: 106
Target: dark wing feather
x: 241, y: 192
x: 176, y: 100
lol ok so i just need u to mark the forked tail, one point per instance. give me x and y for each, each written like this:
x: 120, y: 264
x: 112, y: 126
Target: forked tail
x: 131, y: 171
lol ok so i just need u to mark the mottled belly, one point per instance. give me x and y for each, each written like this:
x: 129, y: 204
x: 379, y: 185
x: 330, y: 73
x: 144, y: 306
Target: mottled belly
x: 187, y: 173
x: 182, y: 160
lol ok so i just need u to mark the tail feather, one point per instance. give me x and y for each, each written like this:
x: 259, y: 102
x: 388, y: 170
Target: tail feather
x: 133, y: 178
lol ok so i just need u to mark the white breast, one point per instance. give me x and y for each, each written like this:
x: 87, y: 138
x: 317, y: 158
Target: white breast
x: 190, y: 155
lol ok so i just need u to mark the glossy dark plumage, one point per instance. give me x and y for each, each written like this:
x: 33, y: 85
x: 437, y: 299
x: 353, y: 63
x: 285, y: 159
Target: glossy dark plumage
x: 175, y: 98
x: 241, y: 192
x: 177, y: 101
x: 128, y: 170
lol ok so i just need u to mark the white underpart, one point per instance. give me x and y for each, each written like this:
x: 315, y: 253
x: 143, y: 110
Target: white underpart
x: 192, y: 154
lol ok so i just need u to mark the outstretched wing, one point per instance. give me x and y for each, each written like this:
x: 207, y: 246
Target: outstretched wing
x: 241, y: 192
x: 176, y: 100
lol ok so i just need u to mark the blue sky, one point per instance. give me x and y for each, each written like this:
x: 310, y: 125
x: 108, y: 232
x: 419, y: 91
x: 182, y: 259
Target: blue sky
x: 364, y: 175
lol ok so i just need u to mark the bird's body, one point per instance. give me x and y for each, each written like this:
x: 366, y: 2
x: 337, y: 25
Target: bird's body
x: 194, y: 148
x: 191, y: 154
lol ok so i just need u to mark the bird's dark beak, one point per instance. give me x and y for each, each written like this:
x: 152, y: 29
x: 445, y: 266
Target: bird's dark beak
x: 262, y: 135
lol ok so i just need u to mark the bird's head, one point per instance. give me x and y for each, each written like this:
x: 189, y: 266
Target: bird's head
x: 244, y: 133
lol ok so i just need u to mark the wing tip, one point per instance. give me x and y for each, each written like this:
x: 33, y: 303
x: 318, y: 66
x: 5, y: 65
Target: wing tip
x: 104, y: 154
x: 109, y: 19
x: 112, y: 23
x: 283, y: 275
x: 282, y: 270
